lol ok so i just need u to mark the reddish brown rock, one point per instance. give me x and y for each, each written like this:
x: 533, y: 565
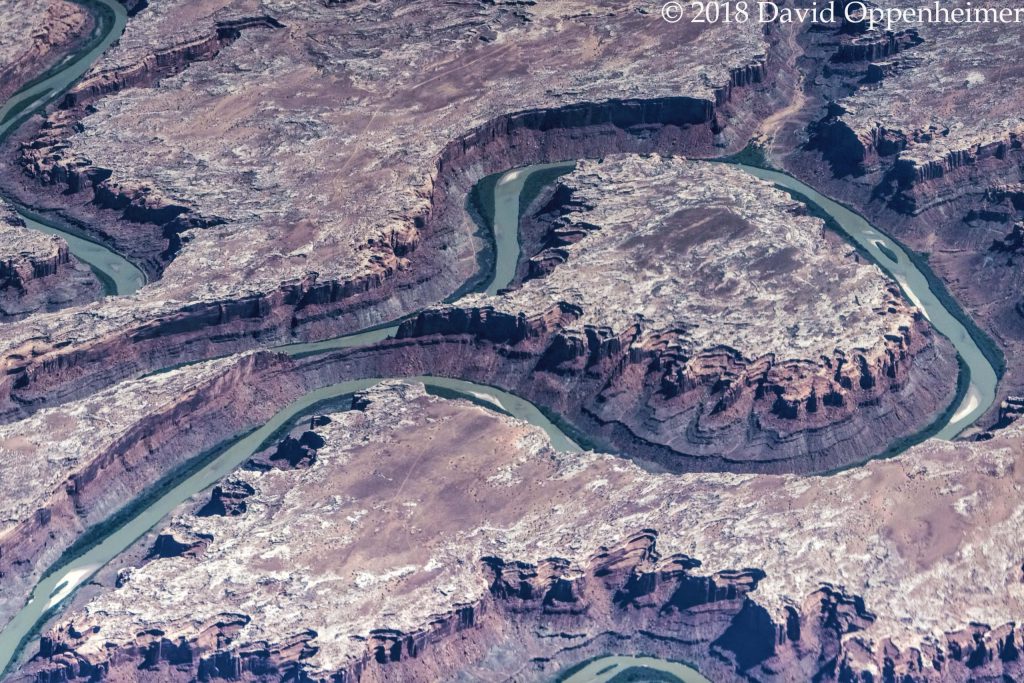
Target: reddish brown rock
x: 432, y: 539
x: 317, y: 214
x: 37, y: 272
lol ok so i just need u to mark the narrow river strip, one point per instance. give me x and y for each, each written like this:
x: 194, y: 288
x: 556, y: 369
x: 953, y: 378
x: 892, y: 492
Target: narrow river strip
x: 118, y: 275
x: 893, y: 259
x: 59, y: 585
x: 603, y: 669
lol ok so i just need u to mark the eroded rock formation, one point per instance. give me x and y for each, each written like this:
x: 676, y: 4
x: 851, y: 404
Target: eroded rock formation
x: 938, y: 165
x: 402, y: 553
x: 69, y: 468
x: 318, y: 214
x: 37, y: 272
x: 686, y: 312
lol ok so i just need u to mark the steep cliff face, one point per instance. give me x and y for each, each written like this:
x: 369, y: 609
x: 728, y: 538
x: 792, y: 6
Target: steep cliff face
x: 69, y: 469
x: 650, y: 319
x: 37, y: 272
x: 937, y: 166
x: 397, y: 555
x: 385, y: 233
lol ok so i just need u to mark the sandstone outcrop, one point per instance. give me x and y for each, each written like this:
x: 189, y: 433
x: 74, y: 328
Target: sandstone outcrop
x: 314, y: 215
x: 686, y: 312
x: 33, y: 36
x: 403, y: 554
x: 37, y: 272
x: 67, y: 469
x: 922, y: 134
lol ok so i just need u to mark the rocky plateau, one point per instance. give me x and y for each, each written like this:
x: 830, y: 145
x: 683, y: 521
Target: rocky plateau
x: 296, y: 170
x: 394, y: 552
x: 689, y: 313
x: 312, y: 159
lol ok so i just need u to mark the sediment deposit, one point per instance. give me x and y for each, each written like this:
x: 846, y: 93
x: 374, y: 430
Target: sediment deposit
x: 37, y: 272
x: 686, y: 312
x: 395, y: 552
x: 312, y: 161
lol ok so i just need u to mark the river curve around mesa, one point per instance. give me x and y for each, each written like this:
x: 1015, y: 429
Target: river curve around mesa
x: 892, y: 258
x: 56, y: 587
x: 118, y: 275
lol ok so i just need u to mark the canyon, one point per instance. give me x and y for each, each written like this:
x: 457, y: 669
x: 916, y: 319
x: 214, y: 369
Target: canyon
x: 34, y: 34
x: 389, y: 551
x: 385, y: 232
x: 282, y: 174
x: 650, y: 318
x: 938, y: 165
x: 38, y: 272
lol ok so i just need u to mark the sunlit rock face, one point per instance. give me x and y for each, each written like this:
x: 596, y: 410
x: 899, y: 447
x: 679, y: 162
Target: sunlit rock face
x: 687, y: 312
x: 919, y: 128
x: 427, y: 539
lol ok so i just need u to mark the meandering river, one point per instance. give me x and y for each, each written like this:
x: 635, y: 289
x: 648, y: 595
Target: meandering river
x: 56, y: 587
x: 118, y: 275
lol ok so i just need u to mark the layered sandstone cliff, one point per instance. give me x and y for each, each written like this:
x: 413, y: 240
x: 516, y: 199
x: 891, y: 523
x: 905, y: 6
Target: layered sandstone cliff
x: 922, y: 134
x: 69, y: 468
x: 33, y: 36
x: 688, y: 313
x: 37, y: 272
x: 395, y: 552
x: 318, y: 214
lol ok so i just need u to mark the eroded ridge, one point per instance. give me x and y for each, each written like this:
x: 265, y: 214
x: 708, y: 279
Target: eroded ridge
x: 37, y: 272
x: 687, y: 312
x: 327, y: 191
x: 68, y: 469
x: 372, y: 546
x: 938, y: 167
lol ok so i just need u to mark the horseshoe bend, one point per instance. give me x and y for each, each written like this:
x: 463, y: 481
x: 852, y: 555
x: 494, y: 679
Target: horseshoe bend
x: 528, y: 341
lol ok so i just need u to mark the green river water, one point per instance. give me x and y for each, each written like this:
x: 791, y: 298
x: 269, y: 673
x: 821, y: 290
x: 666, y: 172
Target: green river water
x: 122, y: 277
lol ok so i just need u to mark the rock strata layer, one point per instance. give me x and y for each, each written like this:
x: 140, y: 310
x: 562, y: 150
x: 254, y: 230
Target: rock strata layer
x: 69, y: 468
x: 312, y: 160
x: 687, y: 312
x: 399, y: 553
x: 37, y: 272
x: 940, y: 167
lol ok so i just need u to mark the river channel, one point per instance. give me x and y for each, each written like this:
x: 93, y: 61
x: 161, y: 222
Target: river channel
x: 122, y: 277
x: 118, y: 275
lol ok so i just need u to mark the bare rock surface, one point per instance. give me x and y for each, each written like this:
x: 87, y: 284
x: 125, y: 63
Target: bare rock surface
x: 312, y: 159
x: 687, y: 311
x: 401, y: 553
x: 68, y: 468
x: 33, y: 33
x: 967, y: 111
x: 37, y: 272
x: 938, y: 167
